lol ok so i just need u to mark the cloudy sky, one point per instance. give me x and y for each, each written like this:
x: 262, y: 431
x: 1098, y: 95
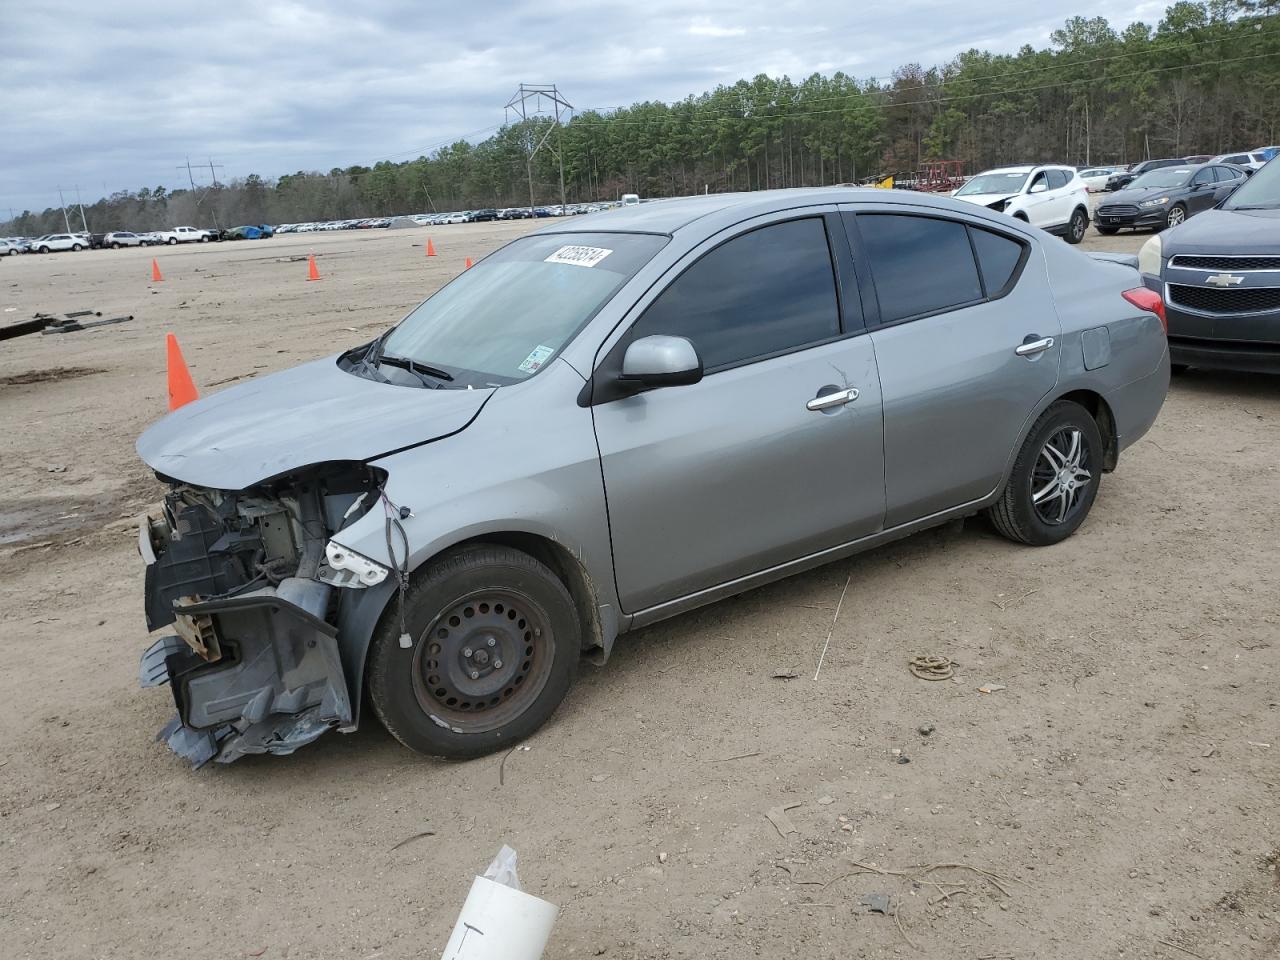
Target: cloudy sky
x: 117, y: 94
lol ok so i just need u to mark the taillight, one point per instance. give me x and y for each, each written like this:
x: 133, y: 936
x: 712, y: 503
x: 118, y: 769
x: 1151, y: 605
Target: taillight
x: 1150, y: 301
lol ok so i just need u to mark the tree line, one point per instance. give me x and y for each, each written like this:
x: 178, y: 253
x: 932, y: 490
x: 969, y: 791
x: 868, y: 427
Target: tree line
x: 1205, y: 79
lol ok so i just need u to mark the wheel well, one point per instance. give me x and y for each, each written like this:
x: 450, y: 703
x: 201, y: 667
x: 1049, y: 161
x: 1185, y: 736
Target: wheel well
x: 567, y: 569
x: 1081, y: 206
x: 1104, y: 418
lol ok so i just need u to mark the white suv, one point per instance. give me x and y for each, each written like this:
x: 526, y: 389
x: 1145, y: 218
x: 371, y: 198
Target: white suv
x: 1048, y: 196
x: 59, y: 241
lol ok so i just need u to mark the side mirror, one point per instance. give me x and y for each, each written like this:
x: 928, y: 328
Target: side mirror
x: 661, y: 361
x: 1038, y: 187
x: 1198, y: 185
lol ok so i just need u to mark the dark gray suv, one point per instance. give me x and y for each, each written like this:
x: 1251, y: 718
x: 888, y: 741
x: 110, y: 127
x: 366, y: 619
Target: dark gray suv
x: 1219, y: 276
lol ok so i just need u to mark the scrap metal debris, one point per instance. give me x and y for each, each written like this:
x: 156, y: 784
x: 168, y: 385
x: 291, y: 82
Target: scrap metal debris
x: 69, y: 322
x: 876, y: 903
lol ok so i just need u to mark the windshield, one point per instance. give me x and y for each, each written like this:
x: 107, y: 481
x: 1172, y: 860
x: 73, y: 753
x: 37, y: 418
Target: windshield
x: 1259, y: 192
x: 502, y: 320
x: 993, y: 183
x: 1166, y: 177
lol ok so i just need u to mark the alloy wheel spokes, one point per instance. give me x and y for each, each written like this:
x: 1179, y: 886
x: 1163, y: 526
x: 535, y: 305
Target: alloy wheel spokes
x: 1060, y: 475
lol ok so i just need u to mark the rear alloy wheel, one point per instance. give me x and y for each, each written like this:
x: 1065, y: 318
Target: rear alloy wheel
x: 1076, y: 227
x: 495, y: 642
x: 76, y: 246
x: 1176, y: 215
x: 1055, y: 478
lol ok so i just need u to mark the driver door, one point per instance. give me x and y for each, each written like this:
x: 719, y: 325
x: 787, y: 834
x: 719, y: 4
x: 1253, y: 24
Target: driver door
x: 777, y: 452
x: 1039, y: 203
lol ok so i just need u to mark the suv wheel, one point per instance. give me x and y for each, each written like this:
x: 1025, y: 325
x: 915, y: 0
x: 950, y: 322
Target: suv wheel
x: 172, y: 240
x: 495, y: 642
x: 76, y: 246
x: 44, y: 250
x: 1176, y: 215
x: 1055, y: 478
x: 1077, y: 225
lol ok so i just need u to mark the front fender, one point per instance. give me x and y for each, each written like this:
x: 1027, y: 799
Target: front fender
x: 528, y: 465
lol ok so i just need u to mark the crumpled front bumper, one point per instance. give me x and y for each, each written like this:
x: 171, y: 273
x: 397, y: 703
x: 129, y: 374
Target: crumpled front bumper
x: 276, y: 682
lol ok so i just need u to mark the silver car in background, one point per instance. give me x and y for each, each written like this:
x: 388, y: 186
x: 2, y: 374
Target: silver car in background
x: 609, y: 422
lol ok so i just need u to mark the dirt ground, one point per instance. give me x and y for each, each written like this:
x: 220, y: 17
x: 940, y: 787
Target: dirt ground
x: 1115, y: 794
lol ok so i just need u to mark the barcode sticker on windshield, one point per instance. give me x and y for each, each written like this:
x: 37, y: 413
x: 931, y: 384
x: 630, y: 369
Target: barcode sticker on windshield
x: 536, y: 358
x: 579, y: 256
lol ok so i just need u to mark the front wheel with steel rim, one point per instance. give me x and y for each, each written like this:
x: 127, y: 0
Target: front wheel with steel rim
x: 494, y: 641
x: 1055, y: 478
x: 1077, y: 226
x: 1176, y: 215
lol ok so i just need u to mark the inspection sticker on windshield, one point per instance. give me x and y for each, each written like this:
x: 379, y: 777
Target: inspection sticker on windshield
x: 579, y: 256
x: 537, y: 357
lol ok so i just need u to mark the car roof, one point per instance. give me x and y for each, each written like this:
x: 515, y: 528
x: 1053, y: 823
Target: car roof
x: 670, y: 216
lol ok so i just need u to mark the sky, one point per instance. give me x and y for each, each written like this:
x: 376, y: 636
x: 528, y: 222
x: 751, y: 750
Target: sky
x: 115, y: 95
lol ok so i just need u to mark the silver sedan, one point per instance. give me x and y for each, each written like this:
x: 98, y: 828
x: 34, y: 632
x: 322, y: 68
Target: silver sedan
x: 609, y: 422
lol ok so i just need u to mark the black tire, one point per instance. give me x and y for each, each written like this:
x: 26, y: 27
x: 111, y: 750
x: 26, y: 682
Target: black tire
x: 1176, y: 216
x: 1077, y: 226
x: 1178, y: 368
x: 1107, y: 231
x: 43, y: 250
x: 171, y: 241
x: 115, y: 246
x: 1015, y: 515
x: 76, y: 247
x: 427, y: 696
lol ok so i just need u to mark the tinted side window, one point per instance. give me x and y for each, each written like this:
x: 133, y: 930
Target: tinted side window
x: 1057, y: 178
x: 998, y: 258
x: 920, y: 264
x: 1204, y: 176
x: 764, y: 292
x: 1225, y: 173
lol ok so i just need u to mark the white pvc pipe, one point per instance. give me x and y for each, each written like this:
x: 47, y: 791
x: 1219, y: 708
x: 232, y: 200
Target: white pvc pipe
x: 500, y: 923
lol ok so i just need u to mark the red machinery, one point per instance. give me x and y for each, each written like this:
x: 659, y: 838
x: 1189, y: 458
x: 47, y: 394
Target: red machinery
x: 940, y: 176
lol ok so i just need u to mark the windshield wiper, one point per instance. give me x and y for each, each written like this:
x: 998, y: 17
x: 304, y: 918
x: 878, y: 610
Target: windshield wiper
x: 413, y: 366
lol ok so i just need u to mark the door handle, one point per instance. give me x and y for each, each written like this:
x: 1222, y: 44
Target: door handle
x: 1032, y: 348
x: 829, y: 400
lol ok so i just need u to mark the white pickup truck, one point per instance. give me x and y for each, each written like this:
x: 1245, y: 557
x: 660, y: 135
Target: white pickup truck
x: 185, y: 235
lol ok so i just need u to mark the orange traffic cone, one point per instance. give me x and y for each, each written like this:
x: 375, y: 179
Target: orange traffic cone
x: 312, y: 272
x: 468, y: 265
x: 181, y: 389
x: 431, y: 249
x: 155, y: 271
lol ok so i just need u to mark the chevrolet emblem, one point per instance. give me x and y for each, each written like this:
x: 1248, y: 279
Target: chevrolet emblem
x: 1224, y: 280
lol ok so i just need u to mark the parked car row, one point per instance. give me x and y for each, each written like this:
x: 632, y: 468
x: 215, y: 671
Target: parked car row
x: 483, y: 215
x: 116, y: 239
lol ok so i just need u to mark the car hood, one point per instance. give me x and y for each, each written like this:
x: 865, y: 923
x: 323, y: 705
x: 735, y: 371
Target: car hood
x: 1145, y: 193
x: 985, y: 199
x: 1240, y: 232
x: 309, y: 414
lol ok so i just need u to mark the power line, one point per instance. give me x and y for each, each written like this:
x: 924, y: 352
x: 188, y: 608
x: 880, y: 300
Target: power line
x: 1178, y: 47
x: 866, y: 99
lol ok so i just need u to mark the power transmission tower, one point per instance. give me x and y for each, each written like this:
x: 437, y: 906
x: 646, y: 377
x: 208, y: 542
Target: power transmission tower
x: 528, y: 102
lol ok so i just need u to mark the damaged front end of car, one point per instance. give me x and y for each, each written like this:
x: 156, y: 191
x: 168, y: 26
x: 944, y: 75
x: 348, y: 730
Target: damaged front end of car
x: 258, y: 597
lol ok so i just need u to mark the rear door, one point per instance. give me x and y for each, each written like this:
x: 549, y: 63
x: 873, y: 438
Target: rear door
x: 778, y: 452
x: 967, y: 344
x: 1064, y: 197
x: 1203, y: 186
